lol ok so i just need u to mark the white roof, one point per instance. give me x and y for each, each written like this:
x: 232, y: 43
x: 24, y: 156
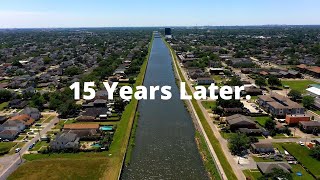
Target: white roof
x: 314, y: 90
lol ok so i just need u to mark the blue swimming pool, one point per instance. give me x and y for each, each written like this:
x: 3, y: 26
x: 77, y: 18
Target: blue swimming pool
x: 106, y: 128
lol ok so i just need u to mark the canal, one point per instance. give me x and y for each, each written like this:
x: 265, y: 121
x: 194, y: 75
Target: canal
x: 165, y: 147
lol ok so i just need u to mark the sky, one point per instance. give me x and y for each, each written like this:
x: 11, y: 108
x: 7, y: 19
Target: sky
x: 128, y: 13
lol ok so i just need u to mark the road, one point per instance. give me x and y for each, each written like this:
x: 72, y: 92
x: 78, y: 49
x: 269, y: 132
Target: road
x: 10, y: 163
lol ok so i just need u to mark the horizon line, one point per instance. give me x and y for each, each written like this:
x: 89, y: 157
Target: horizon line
x: 162, y: 26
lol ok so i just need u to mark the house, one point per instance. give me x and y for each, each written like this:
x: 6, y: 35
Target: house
x: 34, y: 113
x: 279, y: 105
x: 204, y: 81
x: 294, y: 119
x: 65, y: 141
x: 240, y: 121
x: 267, y: 167
x: 17, y: 103
x: 86, y: 119
x: 100, y: 103
x: 13, y: 125
x: 24, y: 118
x: 251, y: 132
x: 9, y: 134
x: 310, y: 126
x: 83, y: 131
x: 259, y: 148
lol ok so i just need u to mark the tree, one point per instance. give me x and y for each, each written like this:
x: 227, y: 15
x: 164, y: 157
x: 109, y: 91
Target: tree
x: 308, y: 101
x: 5, y: 95
x: 235, y: 81
x: 16, y: 63
x: 295, y: 95
x: 315, y: 152
x: 276, y: 174
x: 238, y: 144
x: 274, y: 81
x: 270, y: 124
x: 73, y: 70
x: 260, y: 81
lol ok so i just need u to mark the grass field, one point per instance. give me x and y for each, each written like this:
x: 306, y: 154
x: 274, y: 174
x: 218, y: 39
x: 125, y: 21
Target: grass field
x: 262, y: 120
x: 252, y: 173
x: 206, y: 157
x: 6, y: 146
x: 209, y: 104
x: 213, y: 140
x: 3, y: 105
x: 103, y: 165
x: 299, y: 85
x: 301, y: 153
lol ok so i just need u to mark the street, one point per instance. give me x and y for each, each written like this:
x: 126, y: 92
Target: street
x: 10, y: 163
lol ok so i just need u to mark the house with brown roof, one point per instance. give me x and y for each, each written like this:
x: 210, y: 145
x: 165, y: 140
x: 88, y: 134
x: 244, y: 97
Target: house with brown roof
x: 278, y: 105
x: 83, y: 131
x: 80, y: 126
x: 24, y: 118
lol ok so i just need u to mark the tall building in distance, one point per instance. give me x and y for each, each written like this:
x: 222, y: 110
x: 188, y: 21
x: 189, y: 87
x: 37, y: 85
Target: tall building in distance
x: 167, y: 33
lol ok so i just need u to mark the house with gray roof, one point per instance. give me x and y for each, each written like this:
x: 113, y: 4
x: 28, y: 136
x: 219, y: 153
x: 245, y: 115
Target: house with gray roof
x: 65, y: 141
x: 268, y: 167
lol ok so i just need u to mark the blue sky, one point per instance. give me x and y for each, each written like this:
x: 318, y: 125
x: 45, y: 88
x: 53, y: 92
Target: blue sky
x: 109, y: 13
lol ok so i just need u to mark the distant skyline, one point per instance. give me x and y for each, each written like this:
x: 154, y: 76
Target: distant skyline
x: 139, y: 13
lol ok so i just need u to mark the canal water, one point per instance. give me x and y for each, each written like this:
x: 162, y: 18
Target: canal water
x: 165, y: 147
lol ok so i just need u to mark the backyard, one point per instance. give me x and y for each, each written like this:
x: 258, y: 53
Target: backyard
x: 302, y: 154
x: 299, y: 85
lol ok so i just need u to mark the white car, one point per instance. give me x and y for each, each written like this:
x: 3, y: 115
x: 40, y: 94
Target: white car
x: 17, y: 150
x: 301, y: 143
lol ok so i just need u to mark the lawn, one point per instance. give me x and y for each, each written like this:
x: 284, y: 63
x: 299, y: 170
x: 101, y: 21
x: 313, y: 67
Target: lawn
x: 213, y: 140
x: 252, y: 173
x: 48, y: 119
x: 255, y: 173
x: 262, y: 120
x: 3, y: 105
x: 300, y: 85
x: 5, y: 147
x: 103, y: 165
x: 38, y: 145
x: 301, y: 153
x: 209, y: 104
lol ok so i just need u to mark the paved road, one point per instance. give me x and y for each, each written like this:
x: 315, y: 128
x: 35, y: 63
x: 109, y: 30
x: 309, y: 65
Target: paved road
x: 10, y: 163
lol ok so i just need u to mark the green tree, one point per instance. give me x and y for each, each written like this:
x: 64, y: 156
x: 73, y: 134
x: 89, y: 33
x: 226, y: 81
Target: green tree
x: 274, y: 81
x: 308, y: 101
x: 72, y: 71
x: 235, y: 81
x: 295, y: 94
x: 315, y: 152
x: 260, y: 81
x: 16, y: 63
x: 238, y: 144
x: 270, y: 124
x: 5, y: 95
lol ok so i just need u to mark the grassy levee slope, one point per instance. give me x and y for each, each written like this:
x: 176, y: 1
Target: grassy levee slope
x: 90, y: 165
x: 213, y: 140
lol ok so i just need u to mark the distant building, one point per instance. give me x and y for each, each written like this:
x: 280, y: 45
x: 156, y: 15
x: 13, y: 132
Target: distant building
x: 167, y: 33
